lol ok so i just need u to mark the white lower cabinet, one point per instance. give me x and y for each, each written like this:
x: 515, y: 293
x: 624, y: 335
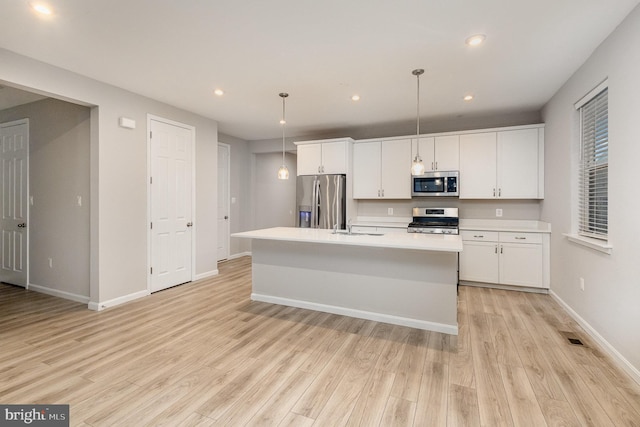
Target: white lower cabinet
x: 479, y: 262
x: 505, y: 258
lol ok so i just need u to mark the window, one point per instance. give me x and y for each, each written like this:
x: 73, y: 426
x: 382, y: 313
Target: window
x: 594, y: 164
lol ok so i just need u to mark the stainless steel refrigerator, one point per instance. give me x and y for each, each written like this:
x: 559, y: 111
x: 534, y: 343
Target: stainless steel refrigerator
x: 321, y: 201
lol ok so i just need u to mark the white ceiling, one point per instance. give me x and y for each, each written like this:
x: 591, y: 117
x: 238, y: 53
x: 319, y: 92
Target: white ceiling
x: 321, y: 53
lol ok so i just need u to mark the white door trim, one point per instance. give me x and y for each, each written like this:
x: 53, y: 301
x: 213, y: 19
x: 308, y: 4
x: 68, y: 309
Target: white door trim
x: 18, y: 123
x: 151, y: 117
x: 228, y: 234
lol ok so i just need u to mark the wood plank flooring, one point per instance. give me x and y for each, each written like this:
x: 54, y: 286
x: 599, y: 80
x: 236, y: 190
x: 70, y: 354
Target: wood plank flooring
x: 203, y: 354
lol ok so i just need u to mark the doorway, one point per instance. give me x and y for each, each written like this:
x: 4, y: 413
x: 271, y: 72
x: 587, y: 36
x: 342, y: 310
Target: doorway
x: 224, y: 158
x: 14, y: 173
x: 171, y: 203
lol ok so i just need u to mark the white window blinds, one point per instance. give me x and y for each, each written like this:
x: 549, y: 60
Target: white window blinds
x: 594, y: 165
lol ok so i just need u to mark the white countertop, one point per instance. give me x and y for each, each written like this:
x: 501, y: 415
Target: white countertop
x: 414, y: 241
x: 516, y: 226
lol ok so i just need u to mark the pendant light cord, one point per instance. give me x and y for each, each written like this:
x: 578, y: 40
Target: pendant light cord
x: 284, y: 122
x: 418, y: 111
x: 417, y: 72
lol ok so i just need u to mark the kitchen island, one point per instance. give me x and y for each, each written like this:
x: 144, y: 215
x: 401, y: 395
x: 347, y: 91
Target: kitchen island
x: 399, y: 278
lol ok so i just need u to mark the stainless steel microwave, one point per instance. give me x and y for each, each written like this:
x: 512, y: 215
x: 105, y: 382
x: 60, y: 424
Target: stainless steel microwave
x: 435, y: 184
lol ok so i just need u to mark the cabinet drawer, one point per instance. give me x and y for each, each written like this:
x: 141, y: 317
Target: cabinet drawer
x: 479, y: 236
x: 521, y: 238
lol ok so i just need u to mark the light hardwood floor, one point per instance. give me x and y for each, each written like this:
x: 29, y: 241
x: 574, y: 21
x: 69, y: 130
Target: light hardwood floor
x: 204, y: 354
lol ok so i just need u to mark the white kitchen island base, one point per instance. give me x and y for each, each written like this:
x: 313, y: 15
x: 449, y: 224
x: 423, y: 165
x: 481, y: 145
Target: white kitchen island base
x: 409, y: 287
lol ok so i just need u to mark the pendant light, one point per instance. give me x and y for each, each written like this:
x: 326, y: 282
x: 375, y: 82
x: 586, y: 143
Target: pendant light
x: 283, y: 172
x: 417, y: 167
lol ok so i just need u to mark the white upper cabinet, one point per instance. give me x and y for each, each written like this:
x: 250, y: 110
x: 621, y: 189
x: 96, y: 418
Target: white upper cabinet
x: 382, y: 169
x: 440, y: 153
x: 366, y: 170
x: 323, y: 158
x: 396, y: 169
x: 518, y: 164
x: 478, y: 166
x: 447, y: 153
x: 309, y: 159
x: 427, y: 151
x: 505, y: 164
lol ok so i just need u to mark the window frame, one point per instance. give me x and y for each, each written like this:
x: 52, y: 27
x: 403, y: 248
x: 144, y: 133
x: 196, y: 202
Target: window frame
x: 591, y: 231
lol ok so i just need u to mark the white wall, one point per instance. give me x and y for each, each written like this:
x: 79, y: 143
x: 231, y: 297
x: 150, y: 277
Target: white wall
x: 476, y: 209
x: 58, y: 173
x: 119, y: 174
x: 274, y: 199
x: 610, y: 302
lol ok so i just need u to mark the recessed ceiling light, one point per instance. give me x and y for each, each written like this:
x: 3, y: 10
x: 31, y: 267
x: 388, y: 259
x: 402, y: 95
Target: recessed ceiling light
x: 355, y: 98
x: 468, y: 98
x: 41, y: 8
x: 475, y: 40
x: 219, y: 92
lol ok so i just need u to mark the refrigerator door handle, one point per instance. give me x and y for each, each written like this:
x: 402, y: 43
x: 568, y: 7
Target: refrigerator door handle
x: 313, y: 205
x: 315, y: 211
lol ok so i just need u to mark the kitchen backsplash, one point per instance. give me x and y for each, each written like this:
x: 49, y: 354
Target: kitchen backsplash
x: 469, y: 209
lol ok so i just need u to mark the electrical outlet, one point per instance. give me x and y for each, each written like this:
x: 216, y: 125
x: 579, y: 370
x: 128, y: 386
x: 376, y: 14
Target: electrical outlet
x: 582, y: 283
x: 498, y: 212
x: 389, y: 211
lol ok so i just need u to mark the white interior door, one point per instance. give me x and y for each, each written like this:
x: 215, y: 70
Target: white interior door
x: 14, y: 162
x: 223, y: 201
x: 171, y: 226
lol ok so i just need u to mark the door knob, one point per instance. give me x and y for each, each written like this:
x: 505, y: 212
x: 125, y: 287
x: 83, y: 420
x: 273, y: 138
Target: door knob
x: 23, y: 225
x: 189, y: 224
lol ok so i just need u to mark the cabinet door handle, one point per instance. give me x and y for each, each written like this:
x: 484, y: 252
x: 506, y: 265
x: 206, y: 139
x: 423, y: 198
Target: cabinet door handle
x: 480, y: 236
x: 378, y: 193
x: 383, y: 192
x: 496, y: 248
x: 521, y: 238
x: 494, y: 192
x: 501, y: 249
x: 436, y: 166
x: 499, y: 192
x: 432, y: 168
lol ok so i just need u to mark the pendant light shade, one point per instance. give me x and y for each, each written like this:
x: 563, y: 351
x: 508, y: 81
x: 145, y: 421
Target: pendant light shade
x: 417, y: 167
x: 283, y: 172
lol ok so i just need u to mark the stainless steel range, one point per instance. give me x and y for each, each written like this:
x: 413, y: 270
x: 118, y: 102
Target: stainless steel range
x: 434, y: 221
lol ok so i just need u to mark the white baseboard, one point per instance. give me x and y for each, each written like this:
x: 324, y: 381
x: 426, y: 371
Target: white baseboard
x: 368, y: 315
x: 206, y: 274
x: 97, y: 306
x: 57, y: 293
x: 615, y: 354
x: 239, y: 255
x: 504, y: 287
